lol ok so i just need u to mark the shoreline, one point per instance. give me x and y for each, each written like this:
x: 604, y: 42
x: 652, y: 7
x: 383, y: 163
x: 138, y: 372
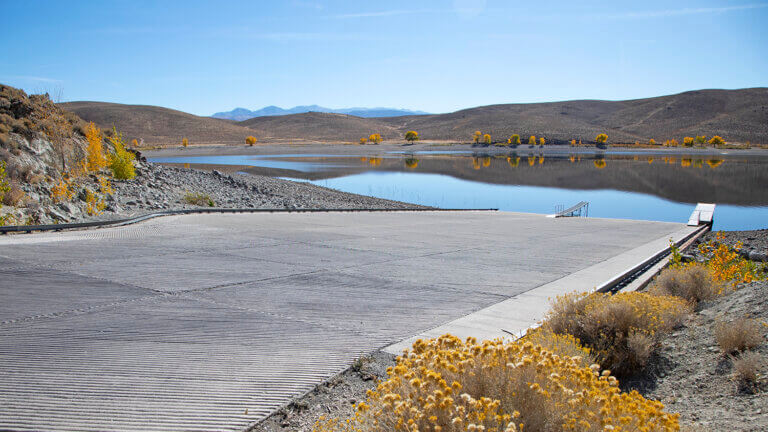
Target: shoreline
x: 363, y: 150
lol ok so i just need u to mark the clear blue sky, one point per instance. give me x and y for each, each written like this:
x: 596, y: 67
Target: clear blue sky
x: 437, y: 56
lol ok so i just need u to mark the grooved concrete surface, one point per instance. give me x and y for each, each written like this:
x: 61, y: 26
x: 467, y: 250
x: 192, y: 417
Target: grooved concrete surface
x: 210, y: 322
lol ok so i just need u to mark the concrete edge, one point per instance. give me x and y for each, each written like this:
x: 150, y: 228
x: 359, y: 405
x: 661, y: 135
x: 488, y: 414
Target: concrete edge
x: 129, y: 221
x: 511, y: 318
x: 646, y: 277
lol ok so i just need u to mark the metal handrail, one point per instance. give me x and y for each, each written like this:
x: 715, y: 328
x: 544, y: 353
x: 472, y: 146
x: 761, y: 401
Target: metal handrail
x: 573, y: 209
x: 136, y: 219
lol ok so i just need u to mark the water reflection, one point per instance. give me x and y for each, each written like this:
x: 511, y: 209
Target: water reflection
x: 673, y: 179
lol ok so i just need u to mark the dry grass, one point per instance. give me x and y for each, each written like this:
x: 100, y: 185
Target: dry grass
x: 747, y: 368
x: 640, y: 347
x: 622, y: 330
x: 693, y: 283
x: 738, y: 335
x: 14, y: 196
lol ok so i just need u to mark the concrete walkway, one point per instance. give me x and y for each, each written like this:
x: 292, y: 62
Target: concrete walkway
x: 210, y: 322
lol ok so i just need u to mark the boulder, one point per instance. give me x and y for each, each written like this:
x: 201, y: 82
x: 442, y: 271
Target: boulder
x: 758, y: 256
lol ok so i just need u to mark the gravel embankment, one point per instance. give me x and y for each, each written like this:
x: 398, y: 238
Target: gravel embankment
x: 692, y: 377
x: 161, y: 187
x: 157, y: 188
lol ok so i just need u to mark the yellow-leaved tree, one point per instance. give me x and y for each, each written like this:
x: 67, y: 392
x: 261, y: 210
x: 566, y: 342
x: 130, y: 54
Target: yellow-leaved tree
x: 363, y: 140
x: 95, y: 157
x: 411, y: 136
x: 688, y: 141
x: 515, y: 139
x: 487, y: 138
x: 250, y: 140
x: 716, y: 141
x: 652, y: 141
x: 121, y: 161
x: 532, y: 140
x: 184, y: 142
x: 601, y: 138
x: 476, y: 136
x: 375, y: 138
x: 542, y: 141
x: 701, y: 139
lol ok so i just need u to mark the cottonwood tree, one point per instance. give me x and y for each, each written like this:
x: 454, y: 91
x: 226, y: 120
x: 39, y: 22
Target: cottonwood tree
x: 375, y: 138
x: 532, y: 140
x: 487, y: 138
x: 411, y: 136
x: 601, y: 138
x: 250, y: 140
x: 716, y: 141
x: 476, y: 136
x: 515, y: 139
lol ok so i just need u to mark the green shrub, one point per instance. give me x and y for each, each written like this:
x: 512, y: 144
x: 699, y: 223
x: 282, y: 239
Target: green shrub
x: 199, y: 199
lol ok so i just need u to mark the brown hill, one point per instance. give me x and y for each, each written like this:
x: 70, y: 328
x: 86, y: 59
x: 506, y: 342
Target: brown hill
x: 157, y: 125
x: 737, y: 115
x: 321, y: 126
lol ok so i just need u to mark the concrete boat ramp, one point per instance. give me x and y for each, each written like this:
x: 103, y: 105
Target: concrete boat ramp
x: 211, y: 322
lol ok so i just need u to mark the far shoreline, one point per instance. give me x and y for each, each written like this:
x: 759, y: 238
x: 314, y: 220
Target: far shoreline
x: 348, y: 149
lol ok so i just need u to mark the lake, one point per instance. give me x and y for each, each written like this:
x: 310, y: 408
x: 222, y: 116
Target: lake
x: 616, y: 184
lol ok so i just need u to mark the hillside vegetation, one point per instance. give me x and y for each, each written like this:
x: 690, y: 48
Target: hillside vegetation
x: 736, y: 115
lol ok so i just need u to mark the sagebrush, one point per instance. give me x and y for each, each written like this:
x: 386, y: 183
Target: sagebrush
x: 448, y: 385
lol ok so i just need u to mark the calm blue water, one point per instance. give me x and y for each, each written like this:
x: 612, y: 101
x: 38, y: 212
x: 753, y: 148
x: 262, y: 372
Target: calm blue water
x: 445, y: 191
x: 449, y: 192
x: 256, y: 161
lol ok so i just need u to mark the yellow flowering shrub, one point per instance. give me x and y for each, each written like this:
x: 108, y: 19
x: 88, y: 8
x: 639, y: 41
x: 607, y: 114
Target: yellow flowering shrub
x: 447, y: 384
x: 121, y: 161
x: 105, y: 186
x: 94, y: 205
x: 726, y: 265
x: 561, y: 344
x: 4, y: 188
x: 61, y: 191
x: 620, y: 329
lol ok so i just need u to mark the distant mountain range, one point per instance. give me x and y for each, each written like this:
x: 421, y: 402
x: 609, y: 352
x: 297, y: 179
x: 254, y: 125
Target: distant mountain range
x: 240, y: 114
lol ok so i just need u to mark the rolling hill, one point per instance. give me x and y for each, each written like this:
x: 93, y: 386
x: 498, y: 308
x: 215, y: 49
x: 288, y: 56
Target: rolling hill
x: 737, y: 115
x: 157, y: 125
